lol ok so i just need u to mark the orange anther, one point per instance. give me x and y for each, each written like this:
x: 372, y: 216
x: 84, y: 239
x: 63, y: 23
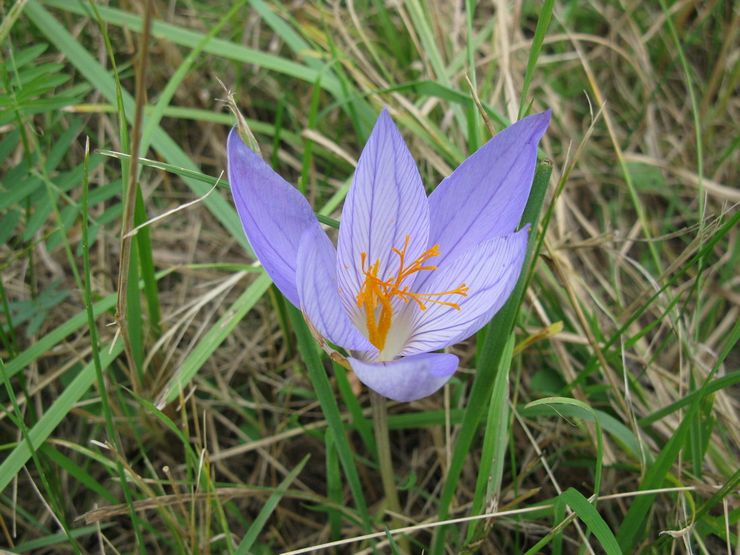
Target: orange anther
x: 377, y: 293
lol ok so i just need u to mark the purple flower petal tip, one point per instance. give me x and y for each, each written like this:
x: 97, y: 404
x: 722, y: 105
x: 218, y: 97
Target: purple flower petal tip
x: 486, y: 195
x: 273, y: 213
x: 408, y: 378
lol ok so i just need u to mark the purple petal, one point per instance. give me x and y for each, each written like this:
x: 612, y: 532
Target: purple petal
x: 490, y: 271
x: 408, y: 378
x: 317, y: 287
x: 386, y: 203
x: 274, y: 214
x: 485, y: 196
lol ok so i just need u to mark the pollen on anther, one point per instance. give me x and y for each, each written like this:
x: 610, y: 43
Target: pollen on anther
x: 377, y: 293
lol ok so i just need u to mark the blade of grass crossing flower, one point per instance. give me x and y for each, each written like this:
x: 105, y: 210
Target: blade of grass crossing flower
x: 175, y: 170
x: 543, y: 22
x: 320, y: 382
x: 59, y: 410
x: 495, y: 439
x: 259, y: 522
x: 488, y: 361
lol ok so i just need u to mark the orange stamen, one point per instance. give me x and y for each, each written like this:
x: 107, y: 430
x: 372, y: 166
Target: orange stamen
x: 377, y: 293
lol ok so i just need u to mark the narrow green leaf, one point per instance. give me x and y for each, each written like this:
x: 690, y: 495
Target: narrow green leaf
x: 259, y: 522
x: 495, y: 439
x: 634, y: 522
x: 212, y: 339
x: 592, y: 519
x: 104, y: 83
x: 567, y: 402
x: 493, y: 348
x: 334, y: 490
x: 186, y: 37
x: 317, y: 374
x: 59, y: 410
x: 543, y: 22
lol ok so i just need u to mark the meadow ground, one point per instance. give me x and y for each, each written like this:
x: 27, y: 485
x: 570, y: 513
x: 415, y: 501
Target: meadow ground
x: 193, y: 412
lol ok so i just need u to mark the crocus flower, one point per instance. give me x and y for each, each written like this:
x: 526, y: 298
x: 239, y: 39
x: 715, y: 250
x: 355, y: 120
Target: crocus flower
x: 411, y: 274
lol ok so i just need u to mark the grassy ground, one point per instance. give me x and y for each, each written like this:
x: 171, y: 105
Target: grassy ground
x: 192, y: 413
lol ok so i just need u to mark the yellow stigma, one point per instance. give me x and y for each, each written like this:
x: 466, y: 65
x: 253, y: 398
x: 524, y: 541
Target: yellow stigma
x: 375, y: 294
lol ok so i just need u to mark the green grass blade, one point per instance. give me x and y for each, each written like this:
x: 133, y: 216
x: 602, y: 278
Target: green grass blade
x: 333, y: 486
x: 592, y: 519
x: 317, y: 374
x: 543, y: 22
x: 495, y: 438
x: 727, y: 381
x: 363, y: 426
x: 60, y: 540
x: 607, y: 422
x: 218, y: 47
x: 95, y: 345
x: 634, y: 522
x: 259, y: 523
x: 104, y: 83
x: 493, y: 348
x: 567, y: 402
x: 59, y: 410
x: 212, y: 339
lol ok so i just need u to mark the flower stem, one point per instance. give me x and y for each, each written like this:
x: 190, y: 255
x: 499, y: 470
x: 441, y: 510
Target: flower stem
x: 382, y: 440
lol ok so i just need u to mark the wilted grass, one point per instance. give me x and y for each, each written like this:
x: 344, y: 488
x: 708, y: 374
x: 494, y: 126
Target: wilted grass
x: 194, y: 413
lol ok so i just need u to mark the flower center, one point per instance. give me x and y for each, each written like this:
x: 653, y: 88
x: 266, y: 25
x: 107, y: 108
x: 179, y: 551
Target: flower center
x: 376, y: 294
